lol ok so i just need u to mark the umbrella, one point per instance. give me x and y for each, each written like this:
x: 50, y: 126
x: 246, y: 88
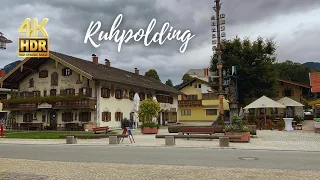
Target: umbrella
x: 154, y: 119
x: 136, y: 102
x: 264, y: 102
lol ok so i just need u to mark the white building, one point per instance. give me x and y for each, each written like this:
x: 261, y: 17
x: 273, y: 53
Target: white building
x: 65, y: 92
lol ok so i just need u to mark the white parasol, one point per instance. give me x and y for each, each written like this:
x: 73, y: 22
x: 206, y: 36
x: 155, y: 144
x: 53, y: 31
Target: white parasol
x: 241, y: 112
x: 154, y: 119
x: 136, y: 102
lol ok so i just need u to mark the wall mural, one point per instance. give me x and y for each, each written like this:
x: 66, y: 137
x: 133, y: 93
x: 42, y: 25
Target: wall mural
x: 54, y: 79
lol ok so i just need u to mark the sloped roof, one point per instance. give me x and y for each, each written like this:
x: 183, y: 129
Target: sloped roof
x: 191, y: 81
x: 294, y: 83
x: 102, y: 72
x: 315, y: 81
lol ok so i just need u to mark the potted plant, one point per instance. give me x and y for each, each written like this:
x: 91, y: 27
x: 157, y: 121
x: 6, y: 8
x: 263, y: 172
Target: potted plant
x: 237, y: 128
x: 149, y: 109
x: 280, y: 125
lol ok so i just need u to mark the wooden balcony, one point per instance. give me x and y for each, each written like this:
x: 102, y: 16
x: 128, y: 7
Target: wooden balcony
x: 73, y: 104
x: 189, y: 102
x: 210, y: 96
x: 77, y: 104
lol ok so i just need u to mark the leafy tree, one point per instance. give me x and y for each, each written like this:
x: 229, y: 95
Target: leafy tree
x: 153, y: 74
x: 148, y: 109
x: 292, y: 71
x: 169, y: 83
x: 254, y: 61
x: 186, y: 78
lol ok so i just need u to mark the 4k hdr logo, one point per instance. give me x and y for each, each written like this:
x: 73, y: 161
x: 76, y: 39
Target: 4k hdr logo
x: 33, y: 45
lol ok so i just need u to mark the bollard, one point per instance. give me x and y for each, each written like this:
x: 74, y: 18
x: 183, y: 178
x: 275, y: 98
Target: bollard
x: 170, y: 141
x: 113, y: 140
x: 1, y: 130
x: 224, y: 141
x: 71, y: 140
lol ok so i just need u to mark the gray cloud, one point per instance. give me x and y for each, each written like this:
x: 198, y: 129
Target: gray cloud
x: 69, y: 20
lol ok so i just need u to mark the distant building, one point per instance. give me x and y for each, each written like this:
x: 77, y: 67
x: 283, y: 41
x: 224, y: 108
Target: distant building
x: 315, y: 84
x: 199, y: 102
x: 202, y: 74
x: 294, y: 90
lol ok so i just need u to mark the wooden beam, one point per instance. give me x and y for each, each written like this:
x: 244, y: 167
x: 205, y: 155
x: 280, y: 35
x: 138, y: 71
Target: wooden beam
x: 56, y: 64
x: 21, y: 68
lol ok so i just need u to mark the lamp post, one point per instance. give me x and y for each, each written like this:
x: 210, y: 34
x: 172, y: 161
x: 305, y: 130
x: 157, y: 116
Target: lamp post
x: 218, y: 28
x: 4, y: 41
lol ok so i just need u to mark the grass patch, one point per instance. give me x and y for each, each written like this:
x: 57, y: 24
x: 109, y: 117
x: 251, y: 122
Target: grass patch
x: 42, y: 134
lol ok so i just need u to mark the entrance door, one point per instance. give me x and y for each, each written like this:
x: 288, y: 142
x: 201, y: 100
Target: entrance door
x: 53, y: 120
x: 172, y: 117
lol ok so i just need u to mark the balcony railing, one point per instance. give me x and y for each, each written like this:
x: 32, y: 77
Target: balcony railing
x: 210, y: 96
x: 189, y: 102
x: 84, y: 103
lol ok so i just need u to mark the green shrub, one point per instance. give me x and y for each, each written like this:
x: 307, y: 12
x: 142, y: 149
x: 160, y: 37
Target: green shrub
x: 280, y: 124
x: 150, y: 125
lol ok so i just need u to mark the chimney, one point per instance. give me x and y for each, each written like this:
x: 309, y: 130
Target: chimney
x: 2, y: 73
x: 136, y: 70
x: 107, y: 62
x: 95, y: 59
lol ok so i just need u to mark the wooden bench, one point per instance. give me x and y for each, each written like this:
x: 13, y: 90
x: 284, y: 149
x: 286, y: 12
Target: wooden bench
x: 200, y: 136
x: 103, y: 129
x: 94, y: 136
x: 198, y: 130
x: 299, y: 127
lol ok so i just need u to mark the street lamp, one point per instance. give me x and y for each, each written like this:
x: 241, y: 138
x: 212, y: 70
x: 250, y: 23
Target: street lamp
x: 217, y: 29
x: 3, y: 41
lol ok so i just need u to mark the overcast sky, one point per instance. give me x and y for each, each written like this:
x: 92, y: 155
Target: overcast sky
x: 293, y: 24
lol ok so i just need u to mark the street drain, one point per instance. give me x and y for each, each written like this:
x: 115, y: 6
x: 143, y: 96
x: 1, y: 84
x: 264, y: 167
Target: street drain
x: 248, y: 158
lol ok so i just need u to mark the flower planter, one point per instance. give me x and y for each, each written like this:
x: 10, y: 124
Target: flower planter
x: 148, y: 130
x: 280, y: 129
x: 245, y: 136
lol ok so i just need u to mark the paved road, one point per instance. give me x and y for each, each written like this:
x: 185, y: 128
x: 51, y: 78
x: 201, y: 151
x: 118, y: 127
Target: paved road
x: 286, y: 160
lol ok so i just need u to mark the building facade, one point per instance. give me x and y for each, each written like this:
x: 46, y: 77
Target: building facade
x: 198, y: 102
x: 65, y: 92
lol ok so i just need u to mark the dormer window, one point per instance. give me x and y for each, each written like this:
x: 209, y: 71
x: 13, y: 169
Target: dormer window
x: 66, y: 72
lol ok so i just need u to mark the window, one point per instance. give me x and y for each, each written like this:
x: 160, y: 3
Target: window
x: 191, y: 97
x: 167, y: 99
x: 53, y: 92
x: 211, y: 112
x: 142, y: 96
x: 70, y: 91
x: 66, y: 72
x: 36, y: 93
x: 199, y: 86
x: 171, y: 100
x: 45, y: 93
x: 118, y: 94
x: 43, y: 74
x: 131, y: 95
x: 105, y: 92
x: 31, y: 83
x: 27, y: 117
x: 25, y: 94
x: 106, y: 116
x: 3, y: 96
x: 185, y: 112
x: 85, y: 91
x: 67, y: 117
x: 85, y: 116
x: 288, y: 92
x: 118, y: 116
x: 195, y: 86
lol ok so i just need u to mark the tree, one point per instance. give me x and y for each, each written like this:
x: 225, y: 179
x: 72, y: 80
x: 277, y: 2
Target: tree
x: 186, y: 78
x: 254, y: 63
x: 153, y: 74
x: 148, y: 109
x: 169, y: 83
x: 292, y: 71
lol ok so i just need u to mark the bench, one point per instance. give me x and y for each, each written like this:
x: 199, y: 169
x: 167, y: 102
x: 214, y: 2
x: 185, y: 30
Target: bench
x: 94, y: 136
x: 103, y: 129
x: 231, y: 137
x: 299, y: 127
x: 198, y: 130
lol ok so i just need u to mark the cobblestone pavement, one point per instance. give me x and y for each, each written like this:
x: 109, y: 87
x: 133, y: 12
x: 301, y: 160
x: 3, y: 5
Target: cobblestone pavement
x: 305, y: 140
x: 16, y: 169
